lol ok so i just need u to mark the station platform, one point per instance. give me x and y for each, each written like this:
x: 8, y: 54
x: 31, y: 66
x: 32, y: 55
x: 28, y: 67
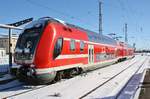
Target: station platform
x: 145, y: 86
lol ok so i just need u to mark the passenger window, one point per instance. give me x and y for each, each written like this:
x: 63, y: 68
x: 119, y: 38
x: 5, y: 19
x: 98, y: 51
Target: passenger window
x: 81, y: 45
x: 72, y: 45
x: 58, y: 47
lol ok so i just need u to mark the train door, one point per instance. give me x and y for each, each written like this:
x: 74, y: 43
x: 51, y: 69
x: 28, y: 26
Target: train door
x: 90, y: 54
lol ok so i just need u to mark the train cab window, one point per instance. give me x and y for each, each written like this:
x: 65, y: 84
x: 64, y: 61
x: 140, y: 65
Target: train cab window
x: 81, y: 45
x: 72, y: 45
x: 58, y: 47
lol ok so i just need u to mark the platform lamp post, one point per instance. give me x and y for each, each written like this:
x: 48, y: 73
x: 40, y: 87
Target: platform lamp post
x: 10, y: 48
x: 134, y: 44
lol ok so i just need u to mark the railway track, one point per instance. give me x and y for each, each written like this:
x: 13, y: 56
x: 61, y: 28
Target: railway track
x: 23, y: 88
x: 11, y: 85
x: 90, y: 91
x: 32, y: 89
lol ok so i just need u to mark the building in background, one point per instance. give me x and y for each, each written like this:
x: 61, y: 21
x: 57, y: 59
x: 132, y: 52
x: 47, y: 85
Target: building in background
x: 2, y: 52
x: 4, y: 42
x: 3, y: 57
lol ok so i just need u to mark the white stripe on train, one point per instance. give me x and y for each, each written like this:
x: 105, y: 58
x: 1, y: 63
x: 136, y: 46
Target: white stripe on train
x: 69, y: 56
x: 49, y: 70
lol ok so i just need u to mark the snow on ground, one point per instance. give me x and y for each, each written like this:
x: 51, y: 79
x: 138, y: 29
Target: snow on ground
x: 115, y: 86
x: 133, y: 85
x: 15, y: 87
x: 77, y: 86
x: 147, y: 66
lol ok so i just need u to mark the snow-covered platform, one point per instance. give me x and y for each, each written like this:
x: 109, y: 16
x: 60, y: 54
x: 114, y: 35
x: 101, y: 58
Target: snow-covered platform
x: 144, y: 90
x: 122, y: 80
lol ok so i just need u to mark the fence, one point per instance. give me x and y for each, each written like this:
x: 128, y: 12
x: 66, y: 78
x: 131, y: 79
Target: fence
x: 4, y: 64
x: 4, y: 68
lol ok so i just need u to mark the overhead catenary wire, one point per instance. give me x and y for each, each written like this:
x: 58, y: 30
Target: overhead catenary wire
x: 127, y: 13
x: 62, y: 14
x: 130, y: 12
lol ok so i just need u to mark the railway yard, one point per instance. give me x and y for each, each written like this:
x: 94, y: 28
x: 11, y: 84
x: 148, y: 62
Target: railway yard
x: 124, y: 80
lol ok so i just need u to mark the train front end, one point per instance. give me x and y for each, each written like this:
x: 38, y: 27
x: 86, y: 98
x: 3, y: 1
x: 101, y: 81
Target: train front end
x: 26, y: 54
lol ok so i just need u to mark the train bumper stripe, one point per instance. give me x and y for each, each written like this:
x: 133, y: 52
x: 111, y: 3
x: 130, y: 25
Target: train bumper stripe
x: 72, y: 56
x: 54, y: 69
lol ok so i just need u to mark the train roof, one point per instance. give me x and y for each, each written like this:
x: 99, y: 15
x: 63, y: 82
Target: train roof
x: 93, y: 36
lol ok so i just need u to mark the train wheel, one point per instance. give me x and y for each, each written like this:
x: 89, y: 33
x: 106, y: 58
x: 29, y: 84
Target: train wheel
x: 80, y: 71
x: 71, y: 72
x: 59, y: 76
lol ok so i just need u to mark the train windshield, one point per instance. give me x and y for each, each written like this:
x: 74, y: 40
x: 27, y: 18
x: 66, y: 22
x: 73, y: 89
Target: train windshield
x: 28, y: 40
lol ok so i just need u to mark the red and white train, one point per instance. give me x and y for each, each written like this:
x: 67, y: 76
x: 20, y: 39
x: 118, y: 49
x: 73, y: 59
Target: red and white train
x: 49, y: 49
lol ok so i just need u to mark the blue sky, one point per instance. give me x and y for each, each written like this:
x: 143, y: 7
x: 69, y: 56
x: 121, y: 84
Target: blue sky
x: 84, y: 13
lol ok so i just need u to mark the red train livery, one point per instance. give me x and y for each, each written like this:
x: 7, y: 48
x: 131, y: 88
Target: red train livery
x: 49, y: 49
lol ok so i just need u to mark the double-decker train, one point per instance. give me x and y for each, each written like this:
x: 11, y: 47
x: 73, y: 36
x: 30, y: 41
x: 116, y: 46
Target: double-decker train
x: 49, y: 49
